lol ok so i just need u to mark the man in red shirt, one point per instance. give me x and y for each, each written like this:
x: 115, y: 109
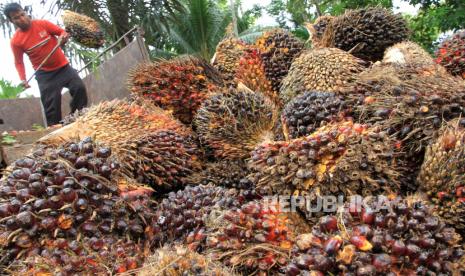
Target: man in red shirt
x: 37, y: 38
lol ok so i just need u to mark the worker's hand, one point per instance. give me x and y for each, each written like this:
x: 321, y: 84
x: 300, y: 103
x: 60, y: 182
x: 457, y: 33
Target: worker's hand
x: 25, y: 84
x: 64, y: 38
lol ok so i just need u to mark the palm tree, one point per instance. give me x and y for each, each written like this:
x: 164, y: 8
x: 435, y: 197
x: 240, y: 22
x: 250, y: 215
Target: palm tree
x: 203, y: 23
x: 198, y: 29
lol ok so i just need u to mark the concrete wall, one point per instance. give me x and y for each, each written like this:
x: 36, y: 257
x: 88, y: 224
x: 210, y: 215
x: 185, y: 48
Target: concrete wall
x: 106, y: 83
x: 20, y: 114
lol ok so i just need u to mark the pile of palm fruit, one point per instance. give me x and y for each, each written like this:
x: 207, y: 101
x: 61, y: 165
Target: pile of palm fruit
x: 343, y: 158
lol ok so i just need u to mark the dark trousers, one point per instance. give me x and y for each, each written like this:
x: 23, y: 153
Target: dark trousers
x: 50, y: 85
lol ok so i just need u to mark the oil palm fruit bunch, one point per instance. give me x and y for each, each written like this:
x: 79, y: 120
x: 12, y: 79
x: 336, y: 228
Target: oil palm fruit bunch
x: 451, y: 54
x: 179, y: 85
x: 324, y: 69
x: 66, y: 193
x: 442, y: 175
x: 232, y: 123
x: 182, y: 215
x: 278, y: 49
x: 410, y: 101
x: 305, y: 113
x: 317, y: 29
x: 256, y: 237
x: 339, y: 158
x: 88, y: 256
x: 83, y: 29
x: 407, y: 52
x: 229, y: 173
x: 179, y: 260
x: 251, y: 73
x: 405, y: 238
x: 163, y: 159
x: 227, y: 56
x: 114, y: 121
x: 366, y: 33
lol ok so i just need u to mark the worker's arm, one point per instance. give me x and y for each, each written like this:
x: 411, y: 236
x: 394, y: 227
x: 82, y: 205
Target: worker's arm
x: 56, y: 31
x: 19, y: 64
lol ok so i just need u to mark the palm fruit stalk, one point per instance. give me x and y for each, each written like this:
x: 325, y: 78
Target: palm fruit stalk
x: 317, y: 29
x: 409, y: 101
x: 255, y: 238
x: 179, y: 260
x: 451, y: 54
x: 68, y: 193
x: 342, y: 158
x: 232, y: 123
x: 152, y: 146
x: 251, y: 73
x: 366, y: 33
x: 304, y: 114
x: 179, y: 85
x: 226, y: 60
x: 278, y: 48
x: 83, y: 29
x: 407, y: 52
x: 405, y: 238
x: 442, y: 174
x: 325, y: 69
x: 229, y: 173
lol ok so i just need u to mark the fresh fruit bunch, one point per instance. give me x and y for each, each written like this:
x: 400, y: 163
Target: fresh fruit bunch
x: 339, y: 158
x: 229, y: 173
x: 66, y: 192
x: 324, y: 69
x: 251, y: 73
x: 115, y: 121
x: 451, y: 54
x: 407, y: 52
x: 442, y: 175
x: 317, y: 29
x: 409, y: 101
x: 227, y: 56
x: 365, y: 33
x: 304, y: 114
x: 234, y: 122
x: 179, y: 85
x: 182, y: 215
x: 405, y: 238
x: 88, y: 256
x: 163, y: 159
x: 83, y: 29
x: 257, y: 237
x: 278, y: 48
x: 179, y: 260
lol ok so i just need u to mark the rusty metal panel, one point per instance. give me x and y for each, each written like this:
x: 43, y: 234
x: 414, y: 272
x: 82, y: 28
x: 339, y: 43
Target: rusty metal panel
x: 20, y: 114
x: 108, y: 82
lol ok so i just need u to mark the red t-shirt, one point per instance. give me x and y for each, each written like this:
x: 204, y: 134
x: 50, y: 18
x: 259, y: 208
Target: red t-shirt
x: 37, y: 42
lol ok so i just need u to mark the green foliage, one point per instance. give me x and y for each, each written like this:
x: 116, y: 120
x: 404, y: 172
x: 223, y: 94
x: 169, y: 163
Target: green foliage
x: 8, y: 139
x: 435, y: 17
x: 37, y: 127
x: 300, y: 11
x: 8, y: 90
